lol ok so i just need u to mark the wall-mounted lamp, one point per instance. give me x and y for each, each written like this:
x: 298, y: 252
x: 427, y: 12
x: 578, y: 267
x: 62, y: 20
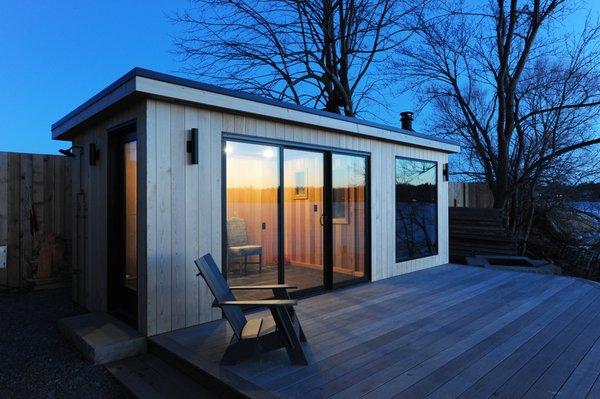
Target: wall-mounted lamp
x: 94, y: 154
x: 445, y: 172
x: 192, y: 146
x: 69, y: 151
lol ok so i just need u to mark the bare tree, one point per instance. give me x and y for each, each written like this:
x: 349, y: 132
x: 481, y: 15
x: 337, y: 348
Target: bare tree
x: 319, y: 53
x: 522, y: 100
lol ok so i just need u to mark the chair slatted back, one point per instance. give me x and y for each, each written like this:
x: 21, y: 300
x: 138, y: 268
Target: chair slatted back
x: 237, y: 235
x: 220, y: 289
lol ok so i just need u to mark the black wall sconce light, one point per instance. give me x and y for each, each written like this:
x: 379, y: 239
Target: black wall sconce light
x: 94, y: 154
x: 192, y: 146
x: 445, y: 172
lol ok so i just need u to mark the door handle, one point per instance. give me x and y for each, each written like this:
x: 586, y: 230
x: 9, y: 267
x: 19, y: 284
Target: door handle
x: 323, y: 219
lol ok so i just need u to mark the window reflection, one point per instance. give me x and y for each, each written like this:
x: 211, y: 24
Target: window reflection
x: 348, y: 216
x: 252, y: 219
x: 416, y: 209
x: 303, y: 207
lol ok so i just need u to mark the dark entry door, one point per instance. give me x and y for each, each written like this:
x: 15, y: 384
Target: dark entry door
x: 123, y: 270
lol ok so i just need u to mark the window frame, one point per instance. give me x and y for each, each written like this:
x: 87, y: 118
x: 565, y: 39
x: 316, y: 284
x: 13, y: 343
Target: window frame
x: 437, y: 225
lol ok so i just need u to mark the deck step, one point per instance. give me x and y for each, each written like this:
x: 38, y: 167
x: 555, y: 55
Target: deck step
x: 211, y: 375
x: 101, y: 338
x: 147, y: 376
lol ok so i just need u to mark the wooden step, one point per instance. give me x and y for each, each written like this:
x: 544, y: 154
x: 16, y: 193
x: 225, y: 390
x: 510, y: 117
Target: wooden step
x: 147, y: 376
x: 211, y: 375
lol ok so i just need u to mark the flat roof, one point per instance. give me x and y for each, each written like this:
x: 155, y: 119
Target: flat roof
x: 140, y: 81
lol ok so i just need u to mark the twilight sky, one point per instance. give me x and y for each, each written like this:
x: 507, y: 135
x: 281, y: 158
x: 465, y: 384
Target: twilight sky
x: 57, y: 54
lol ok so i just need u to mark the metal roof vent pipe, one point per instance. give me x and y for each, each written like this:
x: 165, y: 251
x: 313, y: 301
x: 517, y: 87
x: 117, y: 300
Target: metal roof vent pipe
x: 406, y: 119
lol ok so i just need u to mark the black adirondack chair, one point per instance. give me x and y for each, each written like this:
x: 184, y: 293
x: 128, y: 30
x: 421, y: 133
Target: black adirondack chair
x: 259, y: 335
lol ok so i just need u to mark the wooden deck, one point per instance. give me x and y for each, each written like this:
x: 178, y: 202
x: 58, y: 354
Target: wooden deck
x: 449, y: 331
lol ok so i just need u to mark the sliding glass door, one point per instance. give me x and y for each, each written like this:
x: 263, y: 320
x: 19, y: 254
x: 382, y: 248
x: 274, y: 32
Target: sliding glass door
x: 252, y: 219
x: 294, y: 215
x: 303, y: 173
x: 348, y: 213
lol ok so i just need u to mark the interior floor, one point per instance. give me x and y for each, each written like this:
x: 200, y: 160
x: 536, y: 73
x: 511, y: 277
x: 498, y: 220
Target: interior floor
x: 304, y: 277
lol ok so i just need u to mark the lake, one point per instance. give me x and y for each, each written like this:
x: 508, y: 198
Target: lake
x: 591, y: 207
x: 587, y: 206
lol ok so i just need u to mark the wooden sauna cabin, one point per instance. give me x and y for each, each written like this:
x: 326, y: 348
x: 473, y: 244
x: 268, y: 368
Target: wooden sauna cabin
x: 166, y: 169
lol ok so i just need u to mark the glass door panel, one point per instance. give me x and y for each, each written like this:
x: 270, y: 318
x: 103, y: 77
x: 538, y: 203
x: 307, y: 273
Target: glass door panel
x: 252, y: 185
x: 303, y: 217
x: 122, y: 276
x: 130, y: 157
x: 348, y: 209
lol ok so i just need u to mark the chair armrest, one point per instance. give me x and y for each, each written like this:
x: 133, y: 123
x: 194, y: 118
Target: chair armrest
x: 266, y: 302
x: 263, y: 287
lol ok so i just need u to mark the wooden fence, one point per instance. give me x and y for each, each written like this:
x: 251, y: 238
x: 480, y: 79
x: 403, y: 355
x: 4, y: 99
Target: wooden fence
x: 469, y: 195
x: 35, y: 219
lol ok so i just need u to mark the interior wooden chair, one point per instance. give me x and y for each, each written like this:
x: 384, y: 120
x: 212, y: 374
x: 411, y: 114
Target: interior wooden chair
x: 258, y: 335
x: 238, y: 246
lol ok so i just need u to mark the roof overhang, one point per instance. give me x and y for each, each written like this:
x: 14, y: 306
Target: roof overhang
x: 146, y: 83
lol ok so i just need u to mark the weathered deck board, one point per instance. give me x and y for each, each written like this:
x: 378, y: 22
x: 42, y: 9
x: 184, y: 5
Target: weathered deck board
x: 514, y: 375
x: 318, y: 309
x: 401, y: 345
x: 495, y: 346
x: 444, y: 332
x: 390, y: 381
x: 386, y: 346
x: 582, y: 378
x: 490, y: 372
x: 595, y: 390
x: 563, y: 366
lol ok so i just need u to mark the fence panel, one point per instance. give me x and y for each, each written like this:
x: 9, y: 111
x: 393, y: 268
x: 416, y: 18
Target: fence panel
x: 469, y: 195
x: 35, y: 219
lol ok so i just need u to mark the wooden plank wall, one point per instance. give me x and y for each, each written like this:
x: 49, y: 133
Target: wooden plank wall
x: 470, y: 195
x: 184, y: 215
x: 90, y: 211
x: 35, y: 202
x: 257, y: 206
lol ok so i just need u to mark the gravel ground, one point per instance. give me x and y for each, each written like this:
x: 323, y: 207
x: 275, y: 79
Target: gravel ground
x: 35, y: 360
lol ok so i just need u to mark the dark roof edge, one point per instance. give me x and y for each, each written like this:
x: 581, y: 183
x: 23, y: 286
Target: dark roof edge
x: 146, y: 73
x: 107, y: 90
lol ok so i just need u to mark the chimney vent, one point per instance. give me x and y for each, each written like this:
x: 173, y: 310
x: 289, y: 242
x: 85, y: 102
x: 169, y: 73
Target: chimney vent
x: 406, y: 119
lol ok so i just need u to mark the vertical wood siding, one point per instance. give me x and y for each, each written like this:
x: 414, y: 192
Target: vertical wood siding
x: 183, y: 203
x: 90, y: 211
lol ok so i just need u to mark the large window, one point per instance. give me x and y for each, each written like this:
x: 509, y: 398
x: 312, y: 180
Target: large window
x: 293, y: 214
x: 416, y: 209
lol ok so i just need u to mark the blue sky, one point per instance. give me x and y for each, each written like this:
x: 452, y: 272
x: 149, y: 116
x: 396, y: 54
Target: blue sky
x: 57, y: 54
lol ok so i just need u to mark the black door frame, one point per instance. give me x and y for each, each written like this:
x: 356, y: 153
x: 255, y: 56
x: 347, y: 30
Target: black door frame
x: 121, y: 301
x: 327, y: 152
